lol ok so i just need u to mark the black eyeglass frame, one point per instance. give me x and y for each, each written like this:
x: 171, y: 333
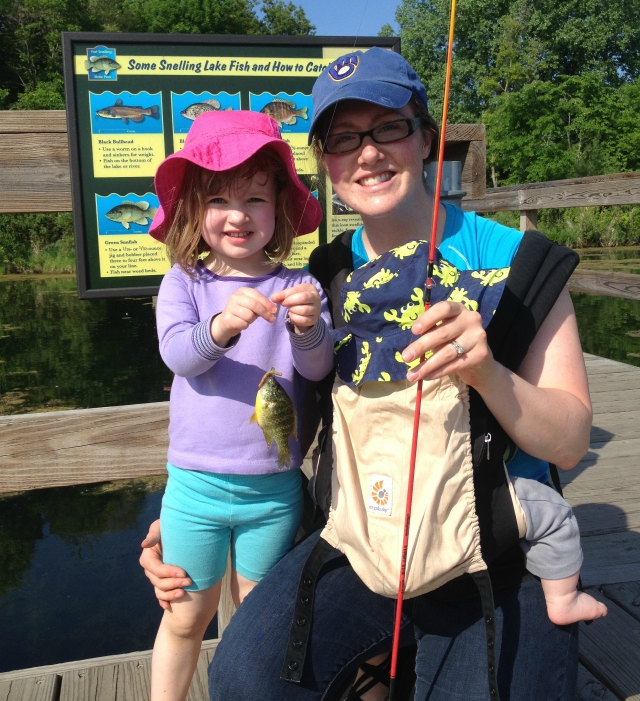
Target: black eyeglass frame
x: 412, y: 123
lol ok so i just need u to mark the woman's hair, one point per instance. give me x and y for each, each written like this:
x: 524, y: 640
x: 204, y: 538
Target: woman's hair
x: 429, y: 125
x: 185, y: 243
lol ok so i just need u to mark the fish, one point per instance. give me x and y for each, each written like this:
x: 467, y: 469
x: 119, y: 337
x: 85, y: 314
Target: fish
x: 132, y: 213
x: 276, y: 416
x: 101, y: 63
x: 128, y: 113
x: 284, y: 111
x: 198, y: 108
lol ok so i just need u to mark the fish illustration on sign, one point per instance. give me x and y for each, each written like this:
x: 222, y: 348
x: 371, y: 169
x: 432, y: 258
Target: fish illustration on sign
x: 95, y: 64
x: 198, y: 108
x: 276, y: 416
x: 128, y: 113
x: 284, y: 111
x: 128, y: 213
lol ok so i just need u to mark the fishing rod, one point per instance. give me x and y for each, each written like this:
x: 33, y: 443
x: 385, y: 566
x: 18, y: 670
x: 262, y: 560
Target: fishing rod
x: 416, y: 416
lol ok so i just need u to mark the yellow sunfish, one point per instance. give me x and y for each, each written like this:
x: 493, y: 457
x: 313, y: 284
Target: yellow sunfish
x: 276, y: 416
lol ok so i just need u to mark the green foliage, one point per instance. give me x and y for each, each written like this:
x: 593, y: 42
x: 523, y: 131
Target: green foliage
x: 555, y: 81
x: 30, y: 47
x: 31, y: 51
x: 585, y: 227
x: 280, y: 17
x: 387, y: 31
x: 189, y: 16
x: 46, y: 95
x: 36, y: 243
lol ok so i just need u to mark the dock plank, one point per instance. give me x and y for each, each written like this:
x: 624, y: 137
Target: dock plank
x: 589, y: 688
x: 36, y: 688
x: 611, y: 559
x: 610, y: 650
x: 626, y: 595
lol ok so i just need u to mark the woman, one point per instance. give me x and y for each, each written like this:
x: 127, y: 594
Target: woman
x: 544, y: 408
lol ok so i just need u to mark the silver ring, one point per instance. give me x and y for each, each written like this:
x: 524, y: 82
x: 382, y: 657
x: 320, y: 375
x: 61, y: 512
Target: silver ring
x: 459, y: 349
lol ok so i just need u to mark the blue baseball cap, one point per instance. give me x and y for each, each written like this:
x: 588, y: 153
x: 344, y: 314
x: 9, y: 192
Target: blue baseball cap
x: 378, y: 76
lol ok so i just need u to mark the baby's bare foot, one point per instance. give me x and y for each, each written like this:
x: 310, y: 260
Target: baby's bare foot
x: 571, y: 608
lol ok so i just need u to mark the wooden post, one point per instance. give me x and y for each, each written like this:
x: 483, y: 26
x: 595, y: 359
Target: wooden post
x: 528, y: 219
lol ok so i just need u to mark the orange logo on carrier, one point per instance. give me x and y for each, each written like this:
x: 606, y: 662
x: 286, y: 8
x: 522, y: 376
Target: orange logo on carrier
x: 379, y: 494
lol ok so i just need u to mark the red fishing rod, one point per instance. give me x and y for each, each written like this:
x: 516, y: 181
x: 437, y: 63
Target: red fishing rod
x: 416, y: 416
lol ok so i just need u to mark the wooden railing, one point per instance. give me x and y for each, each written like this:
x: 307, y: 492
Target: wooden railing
x: 598, y: 190
x: 34, y: 160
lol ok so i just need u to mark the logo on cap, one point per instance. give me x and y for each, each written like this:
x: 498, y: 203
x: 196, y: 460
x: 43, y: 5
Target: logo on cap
x: 344, y: 69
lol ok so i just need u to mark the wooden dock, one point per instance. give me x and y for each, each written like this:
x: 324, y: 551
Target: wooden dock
x: 604, y: 490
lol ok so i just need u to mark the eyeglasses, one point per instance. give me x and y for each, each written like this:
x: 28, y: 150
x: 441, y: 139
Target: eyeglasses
x: 384, y: 134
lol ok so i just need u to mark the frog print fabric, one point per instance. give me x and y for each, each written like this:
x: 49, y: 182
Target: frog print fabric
x: 382, y: 299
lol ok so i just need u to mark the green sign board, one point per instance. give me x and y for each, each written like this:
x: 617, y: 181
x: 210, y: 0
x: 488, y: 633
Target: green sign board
x: 131, y: 99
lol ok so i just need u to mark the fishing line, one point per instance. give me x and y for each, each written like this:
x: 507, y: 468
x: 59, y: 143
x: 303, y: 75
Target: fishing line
x: 416, y: 416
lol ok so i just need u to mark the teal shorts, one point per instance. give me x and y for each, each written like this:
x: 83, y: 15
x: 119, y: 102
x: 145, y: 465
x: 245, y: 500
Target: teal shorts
x: 204, y: 513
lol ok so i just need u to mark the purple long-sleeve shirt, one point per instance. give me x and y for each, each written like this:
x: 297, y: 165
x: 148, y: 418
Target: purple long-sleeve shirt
x: 214, y: 389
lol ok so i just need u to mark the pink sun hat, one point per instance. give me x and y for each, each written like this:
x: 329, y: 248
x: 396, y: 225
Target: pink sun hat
x: 221, y: 141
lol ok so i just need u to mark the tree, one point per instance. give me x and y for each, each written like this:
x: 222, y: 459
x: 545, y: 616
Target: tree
x: 189, y: 17
x: 548, y: 38
x: 573, y: 126
x: 285, y: 18
x: 30, y: 47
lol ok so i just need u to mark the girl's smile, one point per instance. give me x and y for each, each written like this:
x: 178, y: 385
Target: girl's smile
x: 238, y: 223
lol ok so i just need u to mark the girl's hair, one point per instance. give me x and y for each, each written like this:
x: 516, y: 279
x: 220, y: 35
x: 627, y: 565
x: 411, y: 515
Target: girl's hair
x: 185, y: 243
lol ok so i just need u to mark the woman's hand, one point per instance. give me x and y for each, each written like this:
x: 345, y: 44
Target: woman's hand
x: 243, y: 307
x: 545, y: 406
x: 167, y: 580
x: 303, y: 303
x: 438, y: 327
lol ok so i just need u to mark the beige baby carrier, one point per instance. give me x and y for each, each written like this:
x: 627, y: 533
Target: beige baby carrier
x: 464, y: 514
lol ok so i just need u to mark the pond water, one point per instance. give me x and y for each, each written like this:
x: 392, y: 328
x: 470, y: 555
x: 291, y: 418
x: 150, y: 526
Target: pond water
x: 72, y: 588
x: 619, y: 259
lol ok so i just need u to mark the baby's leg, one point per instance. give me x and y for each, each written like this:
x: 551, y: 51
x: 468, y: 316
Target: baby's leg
x: 565, y: 604
x: 177, y: 646
x: 552, y: 548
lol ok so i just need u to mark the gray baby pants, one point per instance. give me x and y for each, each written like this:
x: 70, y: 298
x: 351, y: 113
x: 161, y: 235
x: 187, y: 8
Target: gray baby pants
x: 552, y: 542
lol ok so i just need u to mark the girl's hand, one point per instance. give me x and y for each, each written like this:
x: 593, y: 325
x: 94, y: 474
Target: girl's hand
x: 303, y: 303
x: 243, y: 307
x: 438, y: 327
x: 166, y: 579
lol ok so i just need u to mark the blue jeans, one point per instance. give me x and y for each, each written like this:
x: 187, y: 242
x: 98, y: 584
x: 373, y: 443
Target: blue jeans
x: 537, y: 661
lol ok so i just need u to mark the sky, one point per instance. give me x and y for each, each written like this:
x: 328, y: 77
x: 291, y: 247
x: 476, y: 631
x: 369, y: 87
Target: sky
x: 349, y: 17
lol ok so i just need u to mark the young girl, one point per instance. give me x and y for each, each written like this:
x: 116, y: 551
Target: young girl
x: 232, y: 191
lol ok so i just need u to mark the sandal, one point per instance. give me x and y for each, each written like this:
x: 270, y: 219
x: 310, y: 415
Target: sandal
x: 370, y: 677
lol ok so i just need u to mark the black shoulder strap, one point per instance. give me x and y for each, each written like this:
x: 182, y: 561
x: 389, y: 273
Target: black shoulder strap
x: 331, y: 264
x: 539, y: 272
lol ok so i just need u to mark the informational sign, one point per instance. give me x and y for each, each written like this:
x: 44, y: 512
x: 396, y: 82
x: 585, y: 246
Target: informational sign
x: 131, y: 100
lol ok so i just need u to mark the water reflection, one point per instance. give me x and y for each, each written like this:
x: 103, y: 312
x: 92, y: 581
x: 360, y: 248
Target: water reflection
x: 619, y: 259
x: 71, y: 574
x: 57, y: 352
x: 609, y: 326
